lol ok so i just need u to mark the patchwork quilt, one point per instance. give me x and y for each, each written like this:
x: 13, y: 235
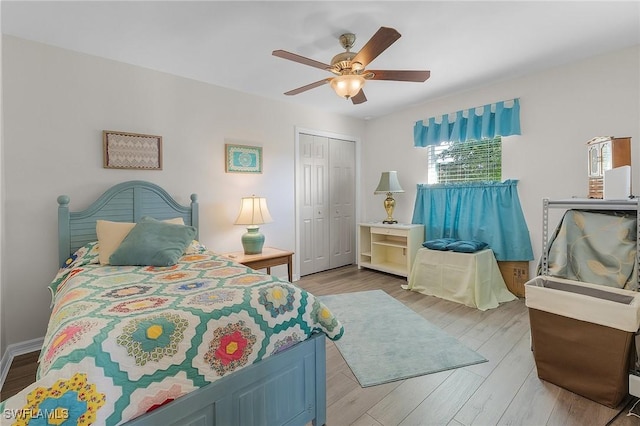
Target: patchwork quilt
x: 124, y: 340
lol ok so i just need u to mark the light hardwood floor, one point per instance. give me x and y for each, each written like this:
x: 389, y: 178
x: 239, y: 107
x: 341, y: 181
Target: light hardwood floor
x: 503, y: 391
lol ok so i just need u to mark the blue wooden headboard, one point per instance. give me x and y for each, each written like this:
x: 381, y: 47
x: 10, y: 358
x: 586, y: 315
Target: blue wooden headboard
x: 125, y: 202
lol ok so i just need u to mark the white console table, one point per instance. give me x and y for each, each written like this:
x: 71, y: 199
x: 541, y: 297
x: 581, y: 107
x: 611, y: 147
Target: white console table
x: 389, y: 247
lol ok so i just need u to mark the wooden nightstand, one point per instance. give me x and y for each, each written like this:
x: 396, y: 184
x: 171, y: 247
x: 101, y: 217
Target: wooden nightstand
x: 269, y: 257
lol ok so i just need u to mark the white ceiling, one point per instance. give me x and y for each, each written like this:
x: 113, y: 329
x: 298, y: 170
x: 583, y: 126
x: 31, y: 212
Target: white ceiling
x: 229, y: 43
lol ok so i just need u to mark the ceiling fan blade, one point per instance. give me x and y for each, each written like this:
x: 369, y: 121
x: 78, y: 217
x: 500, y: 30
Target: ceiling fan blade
x: 300, y: 59
x: 377, y: 44
x: 400, y: 75
x: 307, y: 87
x: 359, y: 98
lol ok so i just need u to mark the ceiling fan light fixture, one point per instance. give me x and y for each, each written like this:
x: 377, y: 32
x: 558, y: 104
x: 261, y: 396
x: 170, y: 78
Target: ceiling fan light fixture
x: 349, y: 67
x: 348, y: 85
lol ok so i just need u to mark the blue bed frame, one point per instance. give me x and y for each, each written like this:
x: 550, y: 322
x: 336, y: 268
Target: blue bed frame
x: 125, y: 202
x: 288, y: 388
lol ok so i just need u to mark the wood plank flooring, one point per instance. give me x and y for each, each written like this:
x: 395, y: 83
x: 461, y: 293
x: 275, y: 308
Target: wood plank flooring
x: 503, y: 391
x: 21, y: 374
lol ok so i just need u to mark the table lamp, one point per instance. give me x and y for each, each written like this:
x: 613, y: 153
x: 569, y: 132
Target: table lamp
x: 253, y: 212
x: 389, y: 184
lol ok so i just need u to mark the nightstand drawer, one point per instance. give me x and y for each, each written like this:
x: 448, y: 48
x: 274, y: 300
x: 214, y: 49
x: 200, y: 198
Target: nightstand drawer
x: 389, y: 231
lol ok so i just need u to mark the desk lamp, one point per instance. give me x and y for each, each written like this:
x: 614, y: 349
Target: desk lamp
x: 253, y: 213
x: 389, y: 184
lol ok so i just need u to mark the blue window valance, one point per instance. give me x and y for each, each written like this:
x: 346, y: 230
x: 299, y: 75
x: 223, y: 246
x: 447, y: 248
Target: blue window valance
x: 477, y: 123
x: 482, y: 211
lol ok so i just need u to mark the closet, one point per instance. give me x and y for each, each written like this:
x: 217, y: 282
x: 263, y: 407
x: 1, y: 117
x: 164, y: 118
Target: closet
x: 326, y: 202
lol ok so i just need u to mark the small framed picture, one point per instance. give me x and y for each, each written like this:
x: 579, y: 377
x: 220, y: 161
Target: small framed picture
x: 243, y: 158
x: 122, y: 150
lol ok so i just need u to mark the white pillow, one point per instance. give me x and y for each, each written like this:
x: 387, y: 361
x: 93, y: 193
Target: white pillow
x: 110, y: 236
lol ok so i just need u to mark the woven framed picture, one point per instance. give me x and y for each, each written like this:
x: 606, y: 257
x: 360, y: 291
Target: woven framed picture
x: 243, y: 158
x: 122, y: 150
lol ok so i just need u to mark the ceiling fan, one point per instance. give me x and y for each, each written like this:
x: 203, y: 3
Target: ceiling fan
x: 349, y: 67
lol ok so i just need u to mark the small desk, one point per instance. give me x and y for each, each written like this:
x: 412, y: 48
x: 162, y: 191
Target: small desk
x: 269, y: 257
x: 472, y: 279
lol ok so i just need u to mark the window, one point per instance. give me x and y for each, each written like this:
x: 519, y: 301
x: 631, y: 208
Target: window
x: 466, y: 161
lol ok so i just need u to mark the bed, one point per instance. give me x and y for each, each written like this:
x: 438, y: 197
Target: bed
x: 203, y: 341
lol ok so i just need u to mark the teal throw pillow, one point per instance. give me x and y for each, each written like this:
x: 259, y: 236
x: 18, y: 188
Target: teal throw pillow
x: 438, y: 243
x: 153, y: 243
x: 467, y: 246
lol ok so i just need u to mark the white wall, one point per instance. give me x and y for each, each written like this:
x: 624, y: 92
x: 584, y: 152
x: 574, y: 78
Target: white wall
x: 56, y: 104
x: 560, y: 110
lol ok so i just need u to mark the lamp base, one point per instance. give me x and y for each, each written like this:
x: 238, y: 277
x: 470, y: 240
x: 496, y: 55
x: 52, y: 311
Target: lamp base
x: 389, y: 205
x: 252, y: 241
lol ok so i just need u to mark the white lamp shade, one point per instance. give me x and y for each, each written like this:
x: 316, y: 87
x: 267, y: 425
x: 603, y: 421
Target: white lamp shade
x: 388, y: 183
x: 253, y: 211
x: 347, y: 86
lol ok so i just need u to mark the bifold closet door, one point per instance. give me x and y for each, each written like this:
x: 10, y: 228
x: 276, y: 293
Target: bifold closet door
x: 342, y: 157
x: 314, y: 204
x: 327, y: 203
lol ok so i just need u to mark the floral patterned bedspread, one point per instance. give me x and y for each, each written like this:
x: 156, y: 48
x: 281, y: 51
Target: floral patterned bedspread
x: 124, y: 340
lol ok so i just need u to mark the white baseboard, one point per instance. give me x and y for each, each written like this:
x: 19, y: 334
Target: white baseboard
x: 15, y: 350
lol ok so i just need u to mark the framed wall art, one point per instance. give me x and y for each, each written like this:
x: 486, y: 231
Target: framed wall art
x: 242, y: 158
x: 122, y: 150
